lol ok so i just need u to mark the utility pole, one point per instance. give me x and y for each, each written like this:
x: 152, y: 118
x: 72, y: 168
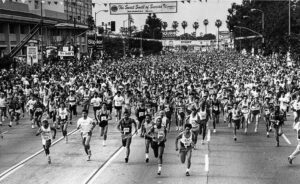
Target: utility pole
x: 42, y: 40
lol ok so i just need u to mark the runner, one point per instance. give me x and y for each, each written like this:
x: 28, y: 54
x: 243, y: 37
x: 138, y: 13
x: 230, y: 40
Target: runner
x: 216, y: 106
x: 63, y: 113
x: 30, y: 108
x: 236, y: 115
x: 146, y: 126
x: 180, y: 108
x: 125, y: 127
x: 140, y: 113
x: 96, y: 101
x: 72, y: 100
x: 244, y: 105
x: 45, y: 132
x: 277, y: 122
x: 255, y: 108
x: 118, y: 101
x: 158, y: 133
x: 194, y: 120
x: 296, y: 126
x: 187, y: 141
x: 204, y: 116
x: 102, y: 118
x: 267, y: 110
x: 3, y: 103
x: 86, y: 126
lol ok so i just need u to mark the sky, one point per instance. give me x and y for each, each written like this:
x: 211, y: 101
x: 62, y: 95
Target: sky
x: 190, y: 12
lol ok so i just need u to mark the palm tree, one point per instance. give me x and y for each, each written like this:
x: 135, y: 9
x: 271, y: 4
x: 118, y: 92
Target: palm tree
x: 184, y: 24
x: 205, y: 22
x: 175, y: 25
x: 165, y: 25
x: 218, y: 24
x: 196, y: 26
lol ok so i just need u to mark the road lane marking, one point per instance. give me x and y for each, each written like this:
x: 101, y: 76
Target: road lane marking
x: 286, y: 139
x: 10, y: 172
x: 208, y: 135
x: 32, y: 156
x: 4, y: 132
x: 98, y: 172
x: 206, y: 163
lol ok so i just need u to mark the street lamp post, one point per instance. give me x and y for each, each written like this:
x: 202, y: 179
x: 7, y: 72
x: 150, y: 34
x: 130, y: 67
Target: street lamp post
x: 42, y: 40
x: 262, y: 21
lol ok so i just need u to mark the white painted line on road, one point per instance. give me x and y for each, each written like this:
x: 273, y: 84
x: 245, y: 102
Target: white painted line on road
x: 208, y: 135
x: 286, y: 139
x: 4, y: 132
x: 97, y: 173
x: 12, y: 171
x: 32, y: 156
x: 206, y: 163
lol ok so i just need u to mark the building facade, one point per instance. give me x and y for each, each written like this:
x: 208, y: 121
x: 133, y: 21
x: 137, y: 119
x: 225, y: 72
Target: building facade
x: 63, y: 22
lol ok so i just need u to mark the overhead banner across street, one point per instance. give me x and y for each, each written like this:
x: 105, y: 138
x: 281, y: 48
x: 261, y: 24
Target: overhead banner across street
x: 143, y: 7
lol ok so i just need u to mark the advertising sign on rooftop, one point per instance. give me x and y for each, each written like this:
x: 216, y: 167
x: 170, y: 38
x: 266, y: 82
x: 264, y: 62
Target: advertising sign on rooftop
x: 143, y: 7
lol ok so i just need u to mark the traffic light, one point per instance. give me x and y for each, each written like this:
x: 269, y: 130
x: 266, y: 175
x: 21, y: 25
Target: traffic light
x: 113, y: 26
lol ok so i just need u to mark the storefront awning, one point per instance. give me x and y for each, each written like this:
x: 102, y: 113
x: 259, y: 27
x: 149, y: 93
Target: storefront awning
x: 70, y: 26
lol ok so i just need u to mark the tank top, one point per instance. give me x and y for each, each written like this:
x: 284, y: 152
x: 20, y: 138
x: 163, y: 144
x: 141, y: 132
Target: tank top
x: 103, y: 116
x: 202, y: 114
x: 245, y: 107
x: 2, y: 102
x: 126, y: 126
x: 63, y: 113
x: 186, y: 142
x: 46, y: 133
x: 235, y: 114
x: 215, y: 105
x: 193, y: 120
x: 159, y: 134
x: 72, y: 100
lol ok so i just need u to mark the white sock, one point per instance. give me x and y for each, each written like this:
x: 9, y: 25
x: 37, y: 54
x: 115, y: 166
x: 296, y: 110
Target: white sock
x: 187, y: 170
x: 147, y: 155
x: 104, y: 142
x: 159, y: 168
x: 10, y: 123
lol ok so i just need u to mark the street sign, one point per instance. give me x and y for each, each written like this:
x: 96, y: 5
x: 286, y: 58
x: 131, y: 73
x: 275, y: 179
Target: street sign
x: 248, y: 37
x: 143, y: 7
x: 65, y: 54
x: 92, y: 43
x: 32, y: 55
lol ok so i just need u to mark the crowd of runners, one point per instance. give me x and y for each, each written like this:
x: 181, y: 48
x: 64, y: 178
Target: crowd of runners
x: 145, y: 96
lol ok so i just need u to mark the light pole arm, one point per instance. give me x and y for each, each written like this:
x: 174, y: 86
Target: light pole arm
x: 249, y: 30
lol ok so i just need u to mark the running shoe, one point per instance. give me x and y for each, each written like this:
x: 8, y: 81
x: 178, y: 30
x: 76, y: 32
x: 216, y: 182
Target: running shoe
x: 234, y: 138
x: 255, y: 130
x: 268, y: 134
x: 49, y: 160
x: 126, y: 160
x: 159, y: 173
x: 202, y: 142
x: 246, y: 130
x: 147, y: 160
x: 215, y: 131
x: 187, y: 173
x: 32, y: 126
x: 290, y: 160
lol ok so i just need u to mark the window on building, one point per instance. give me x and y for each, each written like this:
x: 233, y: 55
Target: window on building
x: 12, y: 29
x: 23, y: 29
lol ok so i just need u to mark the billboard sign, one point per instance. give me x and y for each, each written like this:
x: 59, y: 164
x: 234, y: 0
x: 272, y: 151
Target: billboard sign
x: 32, y: 55
x: 143, y: 7
x: 91, y: 41
x: 66, y: 54
x: 169, y: 34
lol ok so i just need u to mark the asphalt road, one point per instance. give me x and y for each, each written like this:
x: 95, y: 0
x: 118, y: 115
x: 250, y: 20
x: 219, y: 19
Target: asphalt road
x: 253, y: 158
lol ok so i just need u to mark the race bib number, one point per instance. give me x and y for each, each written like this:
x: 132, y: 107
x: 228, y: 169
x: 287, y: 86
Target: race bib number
x: 103, y: 118
x: 118, y: 103
x: 141, y: 114
x: 126, y: 130
x: 46, y: 137
x: 216, y: 108
x: 245, y: 111
x: 38, y: 109
x: 267, y: 111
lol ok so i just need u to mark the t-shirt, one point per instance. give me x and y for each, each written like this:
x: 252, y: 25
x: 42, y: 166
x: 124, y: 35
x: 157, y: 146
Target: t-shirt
x: 118, y: 101
x: 85, y: 124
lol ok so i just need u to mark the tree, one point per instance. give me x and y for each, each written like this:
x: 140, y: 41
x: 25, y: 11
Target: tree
x: 175, y: 25
x: 205, y: 22
x: 184, y: 24
x: 218, y: 24
x: 196, y: 26
x: 152, y: 28
x: 164, y: 25
x: 275, y: 31
x: 90, y: 22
